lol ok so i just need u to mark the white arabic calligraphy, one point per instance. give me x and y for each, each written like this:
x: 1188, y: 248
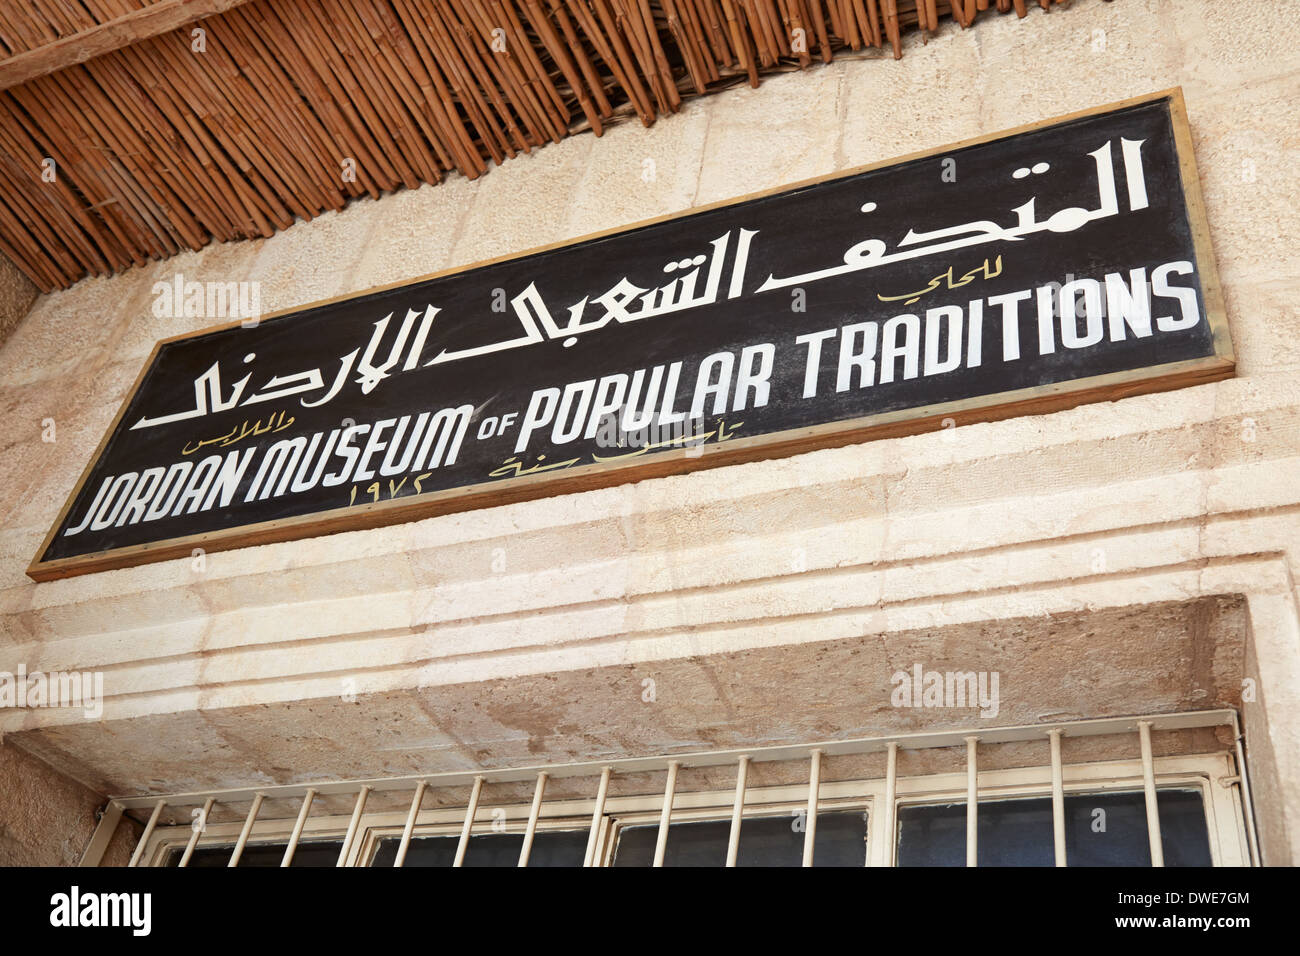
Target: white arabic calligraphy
x: 626, y: 302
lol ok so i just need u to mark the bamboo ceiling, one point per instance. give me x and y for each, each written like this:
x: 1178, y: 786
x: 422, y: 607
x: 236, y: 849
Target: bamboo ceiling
x: 159, y: 147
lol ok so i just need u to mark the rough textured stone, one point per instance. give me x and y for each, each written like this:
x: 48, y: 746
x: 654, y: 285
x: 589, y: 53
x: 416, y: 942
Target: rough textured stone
x: 16, y: 296
x: 1078, y: 551
x: 46, y: 819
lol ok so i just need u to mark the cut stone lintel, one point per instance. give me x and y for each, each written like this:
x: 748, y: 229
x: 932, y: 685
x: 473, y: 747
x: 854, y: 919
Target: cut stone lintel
x: 1191, y: 656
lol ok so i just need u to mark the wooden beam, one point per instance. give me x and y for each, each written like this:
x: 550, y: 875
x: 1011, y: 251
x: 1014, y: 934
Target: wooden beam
x: 158, y: 149
x: 157, y: 18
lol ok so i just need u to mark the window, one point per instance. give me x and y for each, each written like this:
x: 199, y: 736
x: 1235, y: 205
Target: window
x: 841, y: 840
x: 550, y: 848
x: 307, y: 853
x: 900, y: 819
x: 1101, y: 829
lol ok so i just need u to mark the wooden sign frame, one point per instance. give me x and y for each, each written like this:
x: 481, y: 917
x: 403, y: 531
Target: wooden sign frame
x: 1024, y: 401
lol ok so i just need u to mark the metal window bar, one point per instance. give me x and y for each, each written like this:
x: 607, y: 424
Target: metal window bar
x: 148, y: 832
x: 244, y: 834
x: 737, y: 811
x: 815, y: 754
x: 597, y: 815
x: 810, y: 821
x: 1243, y: 773
x: 358, y: 809
x: 891, y: 800
x: 533, y: 815
x: 1058, y: 797
x: 196, y: 829
x: 666, y: 814
x: 468, y: 825
x: 972, y: 803
x: 289, y: 850
x: 1149, y: 790
x: 410, y: 823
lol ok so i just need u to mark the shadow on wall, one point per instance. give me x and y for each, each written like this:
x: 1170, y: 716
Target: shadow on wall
x: 46, y: 818
x: 17, y: 293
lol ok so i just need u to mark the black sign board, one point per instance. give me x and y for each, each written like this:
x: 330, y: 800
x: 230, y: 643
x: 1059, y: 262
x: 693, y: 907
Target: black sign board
x: 1029, y: 271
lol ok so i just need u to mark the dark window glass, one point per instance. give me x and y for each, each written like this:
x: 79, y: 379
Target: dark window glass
x: 314, y: 853
x: 764, y: 841
x: 550, y: 848
x: 1019, y: 832
x: 1124, y: 842
x: 1011, y: 833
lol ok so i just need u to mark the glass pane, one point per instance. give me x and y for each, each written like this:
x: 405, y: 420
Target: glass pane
x: 1100, y: 830
x: 764, y: 841
x: 1118, y: 835
x: 1010, y: 833
x: 550, y: 848
x: 315, y: 853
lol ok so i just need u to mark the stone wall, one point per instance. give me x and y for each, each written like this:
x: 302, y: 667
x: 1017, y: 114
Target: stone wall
x: 46, y: 818
x: 1163, y: 499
